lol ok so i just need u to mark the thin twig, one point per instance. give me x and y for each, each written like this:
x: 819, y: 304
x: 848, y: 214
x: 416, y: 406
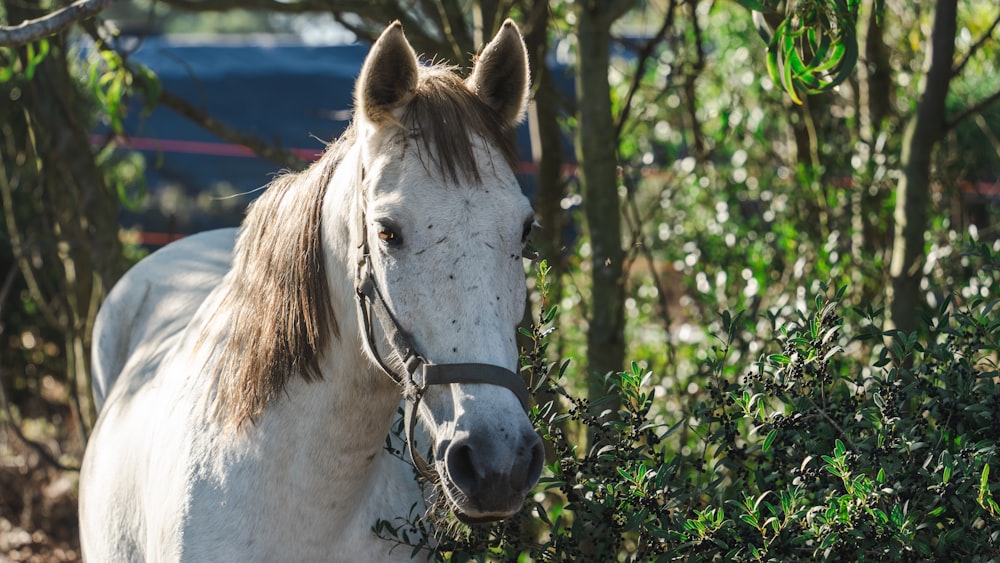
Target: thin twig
x: 844, y: 435
x: 18, y: 243
x: 203, y: 119
x: 643, y: 58
x: 976, y: 46
x: 972, y: 110
x: 635, y: 222
x: 265, y: 150
x: 14, y: 424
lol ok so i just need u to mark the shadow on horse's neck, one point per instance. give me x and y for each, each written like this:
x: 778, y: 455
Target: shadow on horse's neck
x: 347, y: 414
x: 326, y: 392
x: 276, y: 315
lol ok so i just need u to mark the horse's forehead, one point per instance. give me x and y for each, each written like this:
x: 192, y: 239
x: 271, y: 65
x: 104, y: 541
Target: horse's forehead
x: 406, y: 174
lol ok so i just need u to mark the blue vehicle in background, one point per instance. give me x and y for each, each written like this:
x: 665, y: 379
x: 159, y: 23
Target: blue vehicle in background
x: 296, y: 96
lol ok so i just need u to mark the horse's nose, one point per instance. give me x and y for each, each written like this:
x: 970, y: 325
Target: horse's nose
x: 495, y: 473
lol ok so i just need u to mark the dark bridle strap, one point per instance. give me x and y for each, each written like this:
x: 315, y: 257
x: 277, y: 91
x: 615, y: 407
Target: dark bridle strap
x: 421, y: 374
x: 371, y: 301
x: 418, y: 373
x: 440, y: 374
x: 443, y: 374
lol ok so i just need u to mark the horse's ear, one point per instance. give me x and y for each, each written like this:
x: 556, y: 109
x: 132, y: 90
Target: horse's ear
x: 389, y: 76
x: 500, y: 77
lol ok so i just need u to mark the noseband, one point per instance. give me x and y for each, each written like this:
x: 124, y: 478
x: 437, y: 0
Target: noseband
x: 419, y: 373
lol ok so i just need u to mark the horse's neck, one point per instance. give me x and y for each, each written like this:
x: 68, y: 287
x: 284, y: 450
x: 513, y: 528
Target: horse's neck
x: 331, y: 430
x: 321, y: 446
x: 313, y: 466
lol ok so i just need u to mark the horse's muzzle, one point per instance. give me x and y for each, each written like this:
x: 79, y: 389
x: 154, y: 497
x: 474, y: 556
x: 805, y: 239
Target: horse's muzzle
x: 491, y: 477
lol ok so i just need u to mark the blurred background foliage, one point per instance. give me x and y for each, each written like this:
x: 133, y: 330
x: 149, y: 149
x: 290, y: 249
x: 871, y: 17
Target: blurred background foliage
x: 750, y: 194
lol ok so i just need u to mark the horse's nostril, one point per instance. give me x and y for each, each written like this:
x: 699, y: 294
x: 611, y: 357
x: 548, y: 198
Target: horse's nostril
x: 495, y: 471
x: 535, y: 463
x: 461, y: 467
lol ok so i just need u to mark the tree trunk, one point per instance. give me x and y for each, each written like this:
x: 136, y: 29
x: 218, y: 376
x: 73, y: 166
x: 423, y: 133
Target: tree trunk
x: 922, y: 133
x: 874, y: 107
x: 59, y: 212
x: 548, y: 155
x: 596, y: 149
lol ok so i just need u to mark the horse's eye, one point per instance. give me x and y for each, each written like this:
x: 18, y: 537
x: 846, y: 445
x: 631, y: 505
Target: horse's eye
x: 389, y: 236
x: 528, y: 226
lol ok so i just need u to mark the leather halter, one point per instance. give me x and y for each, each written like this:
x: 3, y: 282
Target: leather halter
x: 419, y: 373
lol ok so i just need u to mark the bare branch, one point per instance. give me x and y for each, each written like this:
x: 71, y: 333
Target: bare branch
x: 38, y: 28
x: 635, y: 224
x: 976, y: 46
x: 972, y: 110
x: 12, y: 421
x: 40, y: 449
x: 265, y: 150
x: 451, y: 20
x: 291, y: 7
x: 643, y: 57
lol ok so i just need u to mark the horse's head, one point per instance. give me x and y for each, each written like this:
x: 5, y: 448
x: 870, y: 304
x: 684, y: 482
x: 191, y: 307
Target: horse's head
x: 440, y: 225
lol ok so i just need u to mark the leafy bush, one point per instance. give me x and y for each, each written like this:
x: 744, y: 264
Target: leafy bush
x: 868, y: 445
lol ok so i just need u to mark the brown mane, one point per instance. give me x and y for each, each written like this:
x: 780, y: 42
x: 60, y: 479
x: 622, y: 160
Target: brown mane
x: 280, y: 313
x: 444, y: 114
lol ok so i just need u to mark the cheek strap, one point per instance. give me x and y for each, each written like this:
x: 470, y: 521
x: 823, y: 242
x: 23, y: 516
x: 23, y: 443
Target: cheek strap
x: 419, y: 374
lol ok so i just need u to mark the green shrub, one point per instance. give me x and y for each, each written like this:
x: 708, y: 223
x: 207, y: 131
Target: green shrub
x: 873, y: 445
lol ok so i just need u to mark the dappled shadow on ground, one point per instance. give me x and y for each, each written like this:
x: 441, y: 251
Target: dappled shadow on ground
x: 38, y: 518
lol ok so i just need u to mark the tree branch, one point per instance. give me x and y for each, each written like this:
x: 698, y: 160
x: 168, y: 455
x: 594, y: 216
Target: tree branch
x: 265, y: 150
x: 976, y: 46
x: 423, y: 34
x: 451, y: 21
x: 643, y: 57
x: 12, y: 421
x: 291, y: 7
x: 38, y: 28
x: 972, y: 110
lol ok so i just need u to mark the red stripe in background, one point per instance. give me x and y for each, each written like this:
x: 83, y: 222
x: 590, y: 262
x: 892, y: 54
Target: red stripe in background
x: 227, y: 149
x: 147, y: 238
x: 197, y: 147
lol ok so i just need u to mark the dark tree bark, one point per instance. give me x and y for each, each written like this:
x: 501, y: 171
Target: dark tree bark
x: 548, y: 155
x: 920, y: 137
x: 596, y: 149
x: 874, y: 107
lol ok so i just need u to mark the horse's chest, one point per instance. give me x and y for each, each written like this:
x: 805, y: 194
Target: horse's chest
x: 273, y: 513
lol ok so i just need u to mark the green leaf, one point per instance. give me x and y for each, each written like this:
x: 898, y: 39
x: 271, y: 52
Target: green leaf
x: 551, y: 314
x: 786, y: 502
x: 838, y: 54
x: 753, y: 5
x: 772, y: 63
x: 769, y: 440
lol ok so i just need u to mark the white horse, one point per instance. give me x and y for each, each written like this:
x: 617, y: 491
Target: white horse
x: 249, y: 380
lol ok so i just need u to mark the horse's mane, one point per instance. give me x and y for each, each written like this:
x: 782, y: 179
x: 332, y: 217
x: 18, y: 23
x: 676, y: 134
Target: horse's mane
x: 280, y: 314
